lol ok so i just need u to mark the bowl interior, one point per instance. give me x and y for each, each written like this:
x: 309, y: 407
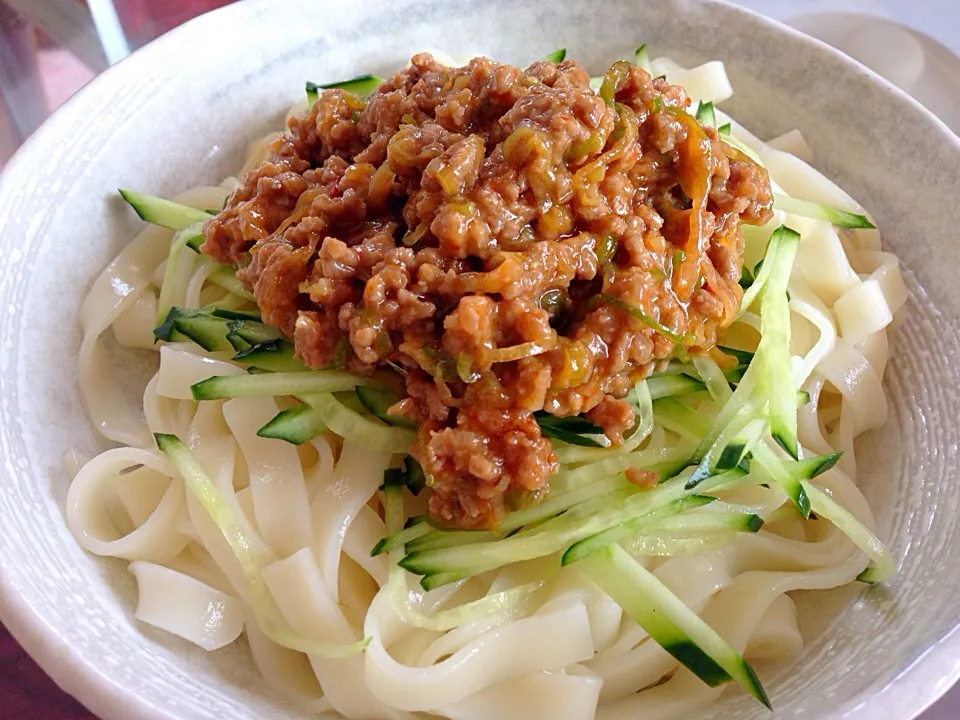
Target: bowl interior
x: 182, y: 111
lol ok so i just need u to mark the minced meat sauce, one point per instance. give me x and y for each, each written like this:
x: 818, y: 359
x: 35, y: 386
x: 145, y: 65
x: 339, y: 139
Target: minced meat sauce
x: 509, y: 240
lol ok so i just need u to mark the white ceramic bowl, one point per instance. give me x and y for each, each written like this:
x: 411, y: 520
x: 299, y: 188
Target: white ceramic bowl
x: 182, y: 110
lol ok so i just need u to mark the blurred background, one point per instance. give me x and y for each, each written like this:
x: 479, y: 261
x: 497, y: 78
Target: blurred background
x: 49, y: 49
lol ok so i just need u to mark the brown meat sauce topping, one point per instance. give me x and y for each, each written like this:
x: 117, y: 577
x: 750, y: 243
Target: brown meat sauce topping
x: 470, y: 226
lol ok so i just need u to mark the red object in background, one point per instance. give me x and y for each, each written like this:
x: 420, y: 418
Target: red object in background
x: 26, y: 693
x: 143, y: 20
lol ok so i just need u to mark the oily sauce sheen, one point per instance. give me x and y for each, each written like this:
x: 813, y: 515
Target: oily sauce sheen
x: 487, y: 231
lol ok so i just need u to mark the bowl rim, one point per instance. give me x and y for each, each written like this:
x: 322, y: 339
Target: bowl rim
x: 931, y: 674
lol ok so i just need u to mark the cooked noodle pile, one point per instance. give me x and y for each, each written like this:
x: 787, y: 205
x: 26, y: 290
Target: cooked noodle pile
x: 231, y: 533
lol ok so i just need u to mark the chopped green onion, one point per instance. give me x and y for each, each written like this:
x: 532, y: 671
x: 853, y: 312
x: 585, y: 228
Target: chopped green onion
x: 557, y: 56
x: 642, y: 316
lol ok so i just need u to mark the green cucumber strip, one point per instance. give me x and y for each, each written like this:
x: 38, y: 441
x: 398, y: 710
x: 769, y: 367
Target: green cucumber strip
x: 659, y: 546
x: 739, y: 446
x: 238, y: 343
x: 355, y: 427
x: 437, y: 539
x: 809, y: 468
x: 415, y: 478
x: 555, y: 504
x: 679, y: 630
x: 557, y: 56
x: 667, y: 385
x: 255, y: 332
x: 410, y: 476
x: 724, y: 129
x: 616, y: 464
x: 313, y: 93
x: 296, y: 425
x: 552, y: 432
x: 585, y: 500
x: 640, y: 398
x: 706, y: 114
x: 378, y: 401
x: 299, y: 383
x: 776, y: 380
x: 260, y: 601
x: 882, y: 562
x: 227, y: 314
x: 708, y: 459
x: 169, y: 285
x: 445, y: 619
x: 361, y: 85
x: 780, y: 473
x: 207, y: 332
x: 641, y: 57
x: 744, y: 148
x: 277, y: 356
x: 743, y: 357
x: 166, y: 330
x: 587, y: 546
x: 699, y: 523
x: 815, y: 211
x: 226, y: 277
x: 779, y: 236
x: 714, y: 379
x: 554, y: 535
x: 195, y: 240
x: 400, y: 539
x: 681, y: 419
x: 164, y: 213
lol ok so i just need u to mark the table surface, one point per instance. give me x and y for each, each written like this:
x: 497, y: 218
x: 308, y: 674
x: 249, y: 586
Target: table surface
x: 915, y: 44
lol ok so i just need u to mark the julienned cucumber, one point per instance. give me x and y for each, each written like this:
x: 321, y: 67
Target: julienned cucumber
x: 364, y: 430
x: 555, y: 504
x: 400, y: 539
x: 641, y: 57
x: 778, y: 236
x: 276, y: 356
x: 272, y: 384
x: 667, y: 385
x: 243, y: 545
x: 361, y: 85
x: 207, y: 332
x: 731, y: 445
x: 378, y: 402
x: 815, y: 211
x: 165, y: 213
x: 195, y: 240
x: 773, y: 352
x: 681, y: 418
x: 296, y: 425
x: 254, y: 332
x: 554, y: 535
x: 882, y: 562
x: 674, y: 626
x: 706, y: 114
x: 226, y: 277
x: 624, y: 530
